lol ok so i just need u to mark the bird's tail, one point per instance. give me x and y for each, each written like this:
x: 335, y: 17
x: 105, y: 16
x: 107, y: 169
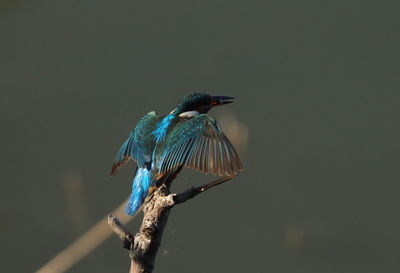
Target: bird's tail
x: 140, y: 188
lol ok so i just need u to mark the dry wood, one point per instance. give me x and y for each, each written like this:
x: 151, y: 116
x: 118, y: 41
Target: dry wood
x: 143, y: 246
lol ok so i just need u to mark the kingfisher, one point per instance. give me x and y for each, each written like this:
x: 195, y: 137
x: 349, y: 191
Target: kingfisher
x: 186, y: 137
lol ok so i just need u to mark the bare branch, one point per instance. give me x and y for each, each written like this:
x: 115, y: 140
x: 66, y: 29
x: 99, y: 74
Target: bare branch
x: 121, y: 231
x: 192, y: 192
x: 143, y: 246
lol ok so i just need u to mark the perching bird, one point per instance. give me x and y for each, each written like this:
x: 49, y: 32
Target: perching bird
x: 186, y: 137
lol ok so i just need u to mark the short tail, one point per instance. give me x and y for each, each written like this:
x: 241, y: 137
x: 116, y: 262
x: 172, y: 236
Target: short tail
x: 140, y: 188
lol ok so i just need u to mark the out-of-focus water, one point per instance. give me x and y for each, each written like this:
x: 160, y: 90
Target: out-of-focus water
x: 316, y: 85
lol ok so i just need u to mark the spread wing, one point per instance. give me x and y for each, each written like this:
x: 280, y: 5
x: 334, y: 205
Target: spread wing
x: 139, y: 145
x: 200, y: 144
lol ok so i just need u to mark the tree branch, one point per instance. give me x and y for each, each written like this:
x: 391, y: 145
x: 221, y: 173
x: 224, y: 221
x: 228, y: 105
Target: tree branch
x: 121, y: 231
x: 192, y: 192
x: 143, y: 246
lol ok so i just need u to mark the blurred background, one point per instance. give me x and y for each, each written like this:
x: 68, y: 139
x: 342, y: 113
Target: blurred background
x: 316, y: 121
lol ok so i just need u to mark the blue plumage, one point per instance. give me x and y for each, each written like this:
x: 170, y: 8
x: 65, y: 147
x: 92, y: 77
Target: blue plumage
x: 161, y: 145
x: 140, y: 187
x: 161, y: 129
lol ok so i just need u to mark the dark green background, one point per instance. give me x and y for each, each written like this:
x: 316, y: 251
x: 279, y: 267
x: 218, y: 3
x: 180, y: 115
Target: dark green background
x: 316, y: 82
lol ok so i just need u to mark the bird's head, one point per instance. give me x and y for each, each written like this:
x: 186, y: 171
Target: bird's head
x: 199, y: 103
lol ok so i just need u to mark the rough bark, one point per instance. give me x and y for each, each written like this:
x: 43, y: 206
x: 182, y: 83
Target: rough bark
x: 143, y: 246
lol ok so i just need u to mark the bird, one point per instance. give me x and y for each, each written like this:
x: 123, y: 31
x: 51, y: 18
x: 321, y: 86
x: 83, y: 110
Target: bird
x: 186, y: 137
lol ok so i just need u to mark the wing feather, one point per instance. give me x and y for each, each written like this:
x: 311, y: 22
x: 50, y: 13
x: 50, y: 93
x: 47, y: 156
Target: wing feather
x: 200, y: 144
x: 139, y: 144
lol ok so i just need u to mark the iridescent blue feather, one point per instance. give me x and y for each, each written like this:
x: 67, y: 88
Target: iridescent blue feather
x: 161, y: 129
x: 140, y: 187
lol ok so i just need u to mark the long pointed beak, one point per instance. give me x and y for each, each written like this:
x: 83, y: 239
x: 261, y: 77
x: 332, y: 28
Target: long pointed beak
x: 221, y: 100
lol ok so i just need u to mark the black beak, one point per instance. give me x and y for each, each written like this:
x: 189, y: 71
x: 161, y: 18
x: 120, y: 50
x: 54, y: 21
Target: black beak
x: 220, y: 100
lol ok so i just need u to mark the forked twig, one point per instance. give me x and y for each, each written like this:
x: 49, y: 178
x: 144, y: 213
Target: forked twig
x: 143, y: 246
